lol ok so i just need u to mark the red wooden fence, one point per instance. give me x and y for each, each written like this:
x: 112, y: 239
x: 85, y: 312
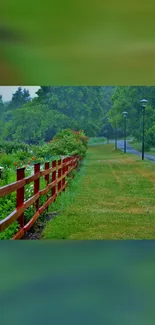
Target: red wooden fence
x: 56, y: 182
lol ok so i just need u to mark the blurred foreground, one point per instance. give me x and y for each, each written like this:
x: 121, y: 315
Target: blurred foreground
x: 77, y: 282
x: 77, y: 43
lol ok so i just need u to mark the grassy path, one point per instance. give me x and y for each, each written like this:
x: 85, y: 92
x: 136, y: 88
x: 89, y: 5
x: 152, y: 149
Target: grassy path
x: 112, y: 198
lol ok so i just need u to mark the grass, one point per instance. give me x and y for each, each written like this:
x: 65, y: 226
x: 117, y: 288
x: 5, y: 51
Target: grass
x: 138, y: 146
x: 113, y: 197
x: 96, y: 140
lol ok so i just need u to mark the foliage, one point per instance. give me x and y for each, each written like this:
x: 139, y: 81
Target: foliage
x: 12, y: 147
x: 127, y: 98
x: 69, y: 142
x: 7, y: 205
x: 19, y: 98
x: 56, y: 108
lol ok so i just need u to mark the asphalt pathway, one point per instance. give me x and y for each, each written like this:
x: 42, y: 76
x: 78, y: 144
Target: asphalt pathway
x: 129, y: 149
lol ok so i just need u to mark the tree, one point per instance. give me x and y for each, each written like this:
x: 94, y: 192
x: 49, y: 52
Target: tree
x: 128, y: 99
x: 19, y: 98
x: 55, y: 109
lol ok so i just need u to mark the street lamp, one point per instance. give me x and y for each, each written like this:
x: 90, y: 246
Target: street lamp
x: 144, y: 103
x: 125, y: 115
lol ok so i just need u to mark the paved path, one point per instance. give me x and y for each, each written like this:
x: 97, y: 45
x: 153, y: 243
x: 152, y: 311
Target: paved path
x: 129, y: 149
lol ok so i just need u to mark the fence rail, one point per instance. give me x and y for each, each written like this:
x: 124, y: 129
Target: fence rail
x: 56, y: 182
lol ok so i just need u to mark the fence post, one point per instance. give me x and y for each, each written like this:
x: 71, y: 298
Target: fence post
x: 20, y: 194
x: 70, y: 163
x: 53, y: 177
x: 59, y: 174
x: 63, y: 172
x: 66, y: 168
x: 47, y: 178
x: 75, y: 161
x: 37, y: 183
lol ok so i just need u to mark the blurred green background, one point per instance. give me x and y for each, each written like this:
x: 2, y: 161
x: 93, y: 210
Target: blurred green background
x: 70, y: 43
x: 77, y: 282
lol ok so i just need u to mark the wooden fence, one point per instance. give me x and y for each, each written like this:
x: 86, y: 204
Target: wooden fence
x: 55, y: 177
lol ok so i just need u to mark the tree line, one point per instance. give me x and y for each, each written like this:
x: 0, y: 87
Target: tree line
x: 36, y: 120
x: 28, y: 120
x: 127, y: 98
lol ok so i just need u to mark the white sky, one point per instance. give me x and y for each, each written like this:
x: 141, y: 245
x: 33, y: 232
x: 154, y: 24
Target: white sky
x: 7, y: 91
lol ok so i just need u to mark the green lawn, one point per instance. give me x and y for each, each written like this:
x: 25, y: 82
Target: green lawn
x: 138, y: 146
x: 96, y: 140
x: 113, y: 197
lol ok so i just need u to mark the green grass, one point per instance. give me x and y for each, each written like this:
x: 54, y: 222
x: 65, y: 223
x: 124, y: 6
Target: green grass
x: 138, y: 146
x: 96, y: 140
x: 113, y: 197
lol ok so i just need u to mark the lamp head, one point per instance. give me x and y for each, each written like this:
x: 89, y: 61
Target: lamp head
x: 144, y: 102
x: 125, y: 114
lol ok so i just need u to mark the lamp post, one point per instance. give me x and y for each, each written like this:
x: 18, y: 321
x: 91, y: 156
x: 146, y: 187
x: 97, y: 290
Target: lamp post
x: 144, y: 103
x: 125, y: 116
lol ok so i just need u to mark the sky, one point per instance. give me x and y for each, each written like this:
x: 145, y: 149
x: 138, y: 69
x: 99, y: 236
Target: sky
x: 7, y: 91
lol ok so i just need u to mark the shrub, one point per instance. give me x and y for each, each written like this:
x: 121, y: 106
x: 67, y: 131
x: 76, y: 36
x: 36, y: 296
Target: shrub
x: 68, y: 142
x: 7, y: 161
x: 10, y: 147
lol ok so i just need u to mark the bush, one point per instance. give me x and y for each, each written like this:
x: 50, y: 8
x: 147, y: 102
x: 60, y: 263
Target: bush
x: 10, y: 147
x: 7, y: 161
x: 22, y: 155
x: 68, y: 142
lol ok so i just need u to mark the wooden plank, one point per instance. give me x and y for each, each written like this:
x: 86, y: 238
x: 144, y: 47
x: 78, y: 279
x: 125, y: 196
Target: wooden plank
x: 51, y: 185
x: 31, y: 200
x: 32, y: 221
x: 19, y: 234
x: 6, y: 222
x: 46, y: 172
x: 44, y: 191
x: 32, y: 178
x: 7, y: 189
x: 43, y: 207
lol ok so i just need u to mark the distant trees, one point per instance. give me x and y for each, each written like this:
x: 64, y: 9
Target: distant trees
x: 55, y: 109
x: 87, y: 106
x: 19, y: 98
x: 128, y: 99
